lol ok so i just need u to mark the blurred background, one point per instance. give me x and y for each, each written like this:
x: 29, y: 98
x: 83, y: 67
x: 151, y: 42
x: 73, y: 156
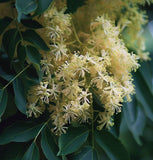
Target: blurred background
x: 136, y: 130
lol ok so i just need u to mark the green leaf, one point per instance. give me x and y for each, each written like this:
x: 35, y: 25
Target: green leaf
x: 146, y: 73
x: 85, y: 153
x: 148, y: 38
x: 11, y: 109
x: 48, y: 145
x: 32, y: 153
x: 10, y: 40
x: 4, y: 74
x: 135, y: 119
x: 151, y: 66
x: 64, y: 158
x: 15, y: 150
x: 30, y: 23
x: 34, y: 56
x: 5, y: 69
x: 111, y: 145
x: 19, y: 132
x: 25, y: 7
x: 143, y: 95
x: 115, y: 130
x: 72, y: 140
x: 30, y: 80
x: 18, y: 67
x: 42, y: 6
x: 3, y: 102
x: 25, y: 16
x: 4, y: 23
x: 34, y: 38
x: 20, y: 99
x: 21, y: 53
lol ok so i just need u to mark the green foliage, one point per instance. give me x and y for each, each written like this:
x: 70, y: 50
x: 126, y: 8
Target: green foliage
x: 32, y: 140
x: 135, y: 119
x: 144, y: 96
x: 10, y: 40
x: 32, y: 24
x: 72, y: 140
x: 16, y: 151
x: 32, y: 37
x: 42, y: 6
x: 21, y: 53
x: 20, y: 99
x: 32, y: 153
x: 111, y: 145
x: 3, y: 102
x: 19, y: 132
x: 147, y: 75
x: 48, y: 145
x: 5, y: 70
x: 25, y: 7
x: 86, y: 152
x: 34, y: 56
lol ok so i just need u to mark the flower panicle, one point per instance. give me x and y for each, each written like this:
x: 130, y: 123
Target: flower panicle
x: 79, y: 71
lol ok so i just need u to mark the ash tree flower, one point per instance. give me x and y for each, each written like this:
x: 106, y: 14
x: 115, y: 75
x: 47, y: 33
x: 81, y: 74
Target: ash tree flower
x: 88, y: 57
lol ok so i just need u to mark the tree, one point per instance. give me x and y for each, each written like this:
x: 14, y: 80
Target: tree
x: 66, y: 78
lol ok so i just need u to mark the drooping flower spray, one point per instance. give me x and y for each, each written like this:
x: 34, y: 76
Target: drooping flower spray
x: 88, y: 61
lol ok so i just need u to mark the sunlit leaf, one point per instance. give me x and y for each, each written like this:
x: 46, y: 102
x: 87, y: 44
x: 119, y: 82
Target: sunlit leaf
x: 25, y: 6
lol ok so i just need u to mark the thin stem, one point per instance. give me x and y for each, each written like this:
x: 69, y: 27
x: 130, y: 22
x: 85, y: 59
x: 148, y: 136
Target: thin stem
x: 23, y: 44
x: 22, y: 40
x: 76, y: 46
x: 69, y: 43
x: 96, y: 111
x: 16, y: 77
x: 41, y: 129
x: 76, y: 36
x: 96, y: 118
x: 92, y: 131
